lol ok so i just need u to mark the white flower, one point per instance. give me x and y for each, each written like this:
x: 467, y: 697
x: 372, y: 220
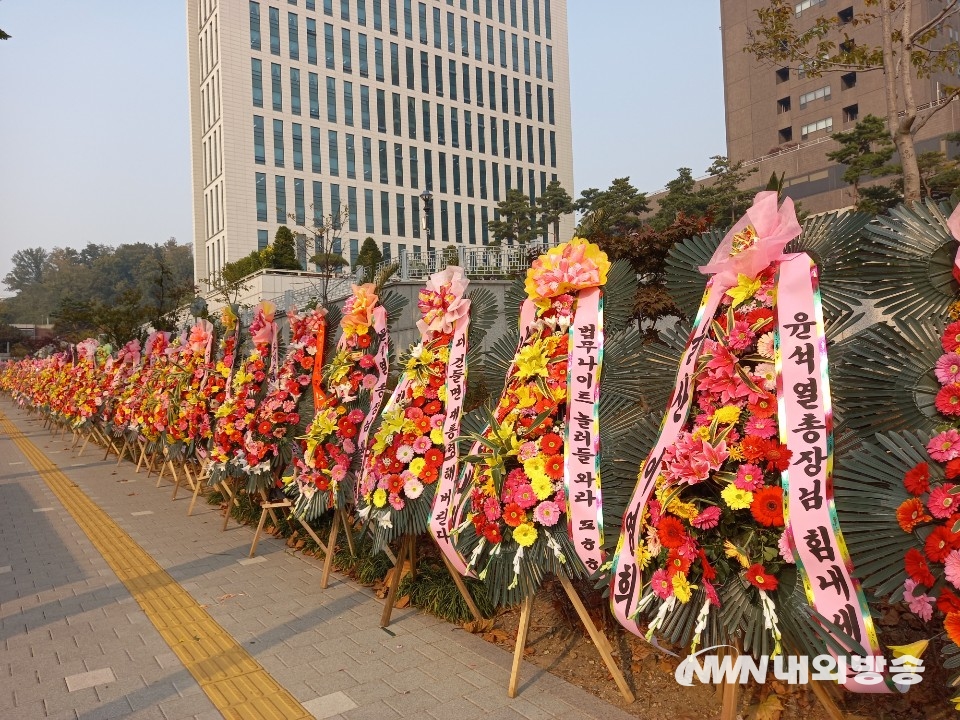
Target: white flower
x: 413, y: 488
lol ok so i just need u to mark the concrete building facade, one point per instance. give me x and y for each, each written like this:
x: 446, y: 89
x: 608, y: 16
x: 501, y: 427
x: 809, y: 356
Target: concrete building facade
x: 780, y: 119
x: 301, y: 107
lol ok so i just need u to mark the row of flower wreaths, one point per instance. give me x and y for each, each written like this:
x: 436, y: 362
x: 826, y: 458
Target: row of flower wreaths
x: 733, y: 502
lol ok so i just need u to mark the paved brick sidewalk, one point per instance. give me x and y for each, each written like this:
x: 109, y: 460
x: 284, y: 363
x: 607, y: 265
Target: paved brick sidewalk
x: 76, y: 645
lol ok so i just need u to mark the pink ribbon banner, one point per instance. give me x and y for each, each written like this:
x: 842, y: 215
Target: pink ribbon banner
x: 447, y: 496
x: 379, y: 390
x: 582, y: 447
x: 806, y: 428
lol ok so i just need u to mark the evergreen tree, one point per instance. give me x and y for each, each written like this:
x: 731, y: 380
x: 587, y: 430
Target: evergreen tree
x: 369, y: 257
x: 866, y: 151
x: 553, y: 204
x: 285, y: 250
x: 517, y: 219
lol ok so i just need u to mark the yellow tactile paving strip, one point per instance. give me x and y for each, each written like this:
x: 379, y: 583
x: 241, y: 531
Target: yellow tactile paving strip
x: 236, y: 683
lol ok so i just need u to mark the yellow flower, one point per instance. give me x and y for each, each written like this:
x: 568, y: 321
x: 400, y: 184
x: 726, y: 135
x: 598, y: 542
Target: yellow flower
x: 379, y: 497
x: 735, y: 498
x: 745, y: 289
x: 682, y: 587
x: 436, y: 436
x: 727, y: 415
x: 570, y: 267
x: 417, y: 465
x: 736, y: 452
x: 684, y: 510
x: 392, y: 421
x: 542, y: 487
x: 532, y: 361
x: 442, y: 393
x: 443, y: 355
x: 701, y: 433
x: 525, y: 397
x: 913, y: 650
x: 732, y: 551
x: 525, y: 534
x: 641, y: 556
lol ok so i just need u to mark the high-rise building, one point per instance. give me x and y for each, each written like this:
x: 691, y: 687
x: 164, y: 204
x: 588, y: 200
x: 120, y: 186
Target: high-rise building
x: 301, y: 107
x: 780, y: 119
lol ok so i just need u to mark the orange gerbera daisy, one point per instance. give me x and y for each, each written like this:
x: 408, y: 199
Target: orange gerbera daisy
x: 765, y: 406
x: 551, y: 444
x: 952, y: 625
x: 553, y: 467
x: 429, y: 475
x: 670, y: 531
x: 911, y: 513
x: 767, y: 506
x: 513, y: 515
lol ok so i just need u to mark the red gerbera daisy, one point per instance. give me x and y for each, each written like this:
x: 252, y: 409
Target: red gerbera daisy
x: 429, y: 475
x: 363, y: 341
x: 551, y: 443
x: 778, y: 456
x: 753, y: 448
x: 670, y: 531
x: 952, y: 470
x: 513, y: 515
x: 911, y: 513
x: 346, y: 428
x: 553, y: 467
x: 939, y: 544
x: 754, y: 317
x: 767, y: 506
x: 948, y: 602
x: 951, y: 337
x: 917, y: 479
x: 765, y: 406
x: 676, y: 563
x: 917, y: 568
x: 952, y: 625
x: 948, y: 399
x: 433, y: 456
x: 758, y: 576
x: 491, y: 531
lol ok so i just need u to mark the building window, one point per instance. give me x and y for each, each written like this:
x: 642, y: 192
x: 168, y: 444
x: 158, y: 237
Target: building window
x: 364, y: 107
x: 314, y: 83
x: 444, y: 221
x: 257, y: 80
x: 281, y: 186
x: 401, y: 216
x: 274, y: 31
x: 783, y: 105
x: 785, y: 135
x: 335, y: 207
x: 381, y: 111
x: 317, y: 203
x: 334, y: 155
x: 328, y: 46
x: 315, y: 163
x: 392, y: 15
x: 414, y: 168
x: 415, y: 220
x: 351, y: 157
x: 362, y: 49
x: 352, y: 215
x: 549, y: 63
x: 367, y: 158
x: 385, y: 213
x: 395, y: 64
x: 848, y: 80
x: 454, y: 127
x: 466, y: 83
x: 437, y: 35
x: 368, y: 211
x: 809, y: 97
x: 458, y: 221
x: 397, y: 122
x: 295, y: 91
x: 398, y: 164
x: 469, y: 174
x: 298, y: 202
x: 328, y: 7
x: 806, y: 5
x: 259, y: 152
x: 362, y: 12
x: 297, y: 132
x: 441, y: 126
x: 347, y: 53
x: 276, y: 83
x: 263, y: 239
x: 426, y: 120
x: 845, y: 15
x: 294, y: 36
x: 483, y: 179
x: 377, y: 16
x: 850, y: 113
x: 783, y: 74
x: 378, y: 58
x: 825, y: 124
x: 278, y: 143
x: 382, y: 157
x: 442, y: 166
x: 331, y: 100
x: 348, y: 103
x: 456, y: 174
x: 254, y: 26
x: 261, y: 188
x: 412, y: 118
x: 407, y: 20
x: 311, y: 41
x: 422, y: 17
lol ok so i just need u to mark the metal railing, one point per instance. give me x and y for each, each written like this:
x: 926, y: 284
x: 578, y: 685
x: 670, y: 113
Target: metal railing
x: 483, y: 262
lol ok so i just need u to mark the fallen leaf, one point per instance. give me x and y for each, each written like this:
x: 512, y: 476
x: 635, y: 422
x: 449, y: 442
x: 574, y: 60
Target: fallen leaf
x: 496, y: 636
x: 478, y: 626
x: 769, y: 709
x: 300, y: 544
x: 402, y: 602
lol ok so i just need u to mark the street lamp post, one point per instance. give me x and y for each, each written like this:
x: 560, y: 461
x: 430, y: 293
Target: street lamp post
x: 427, y: 198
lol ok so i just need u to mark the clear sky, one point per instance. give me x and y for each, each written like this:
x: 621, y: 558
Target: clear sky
x: 94, y: 128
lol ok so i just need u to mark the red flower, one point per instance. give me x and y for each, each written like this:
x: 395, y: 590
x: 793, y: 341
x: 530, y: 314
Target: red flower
x: 764, y: 407
x: 939, y: 544
x: 952, y: 625
x: 778, y: 456
x: 432, y: 407
x: 491, y: 532
x: 676, y: 563
x: 917, y: 568
x: 551, y: 443
x: 307, y: 361
x: 910, y: 514
x: 429, y: 475
x: 952, y: 470
x: 948, y: 399
x: 422, y: 424
x: 553, y: 466
x: 708, y: 571
x: 951, y: 337
x: 264, y: 428
x: 753, y: 448
x: 757, y: 576
x: 917, y: 479
x: 395, y: 483
x: 948, y: 602
x: 670, y: 531
x: 513, y: 515
x: 433, y: 456
x: 767, y: 506
x: 346, y: 428
x: 764, y: 314
x: 363, y: 340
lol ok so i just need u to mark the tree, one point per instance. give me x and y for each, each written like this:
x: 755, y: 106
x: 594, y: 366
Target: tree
x: 29, y: 266
x: 614, y: 212
x: 247, y: 265
x: 369, y: 257
x: 553, y: 204
x: 905, y: 53
x: 285, y: 250
x: 117, y: 322
x: 866, y: 151
x: 516, y: 219
x: 727, y: 200
x: 939, y: 176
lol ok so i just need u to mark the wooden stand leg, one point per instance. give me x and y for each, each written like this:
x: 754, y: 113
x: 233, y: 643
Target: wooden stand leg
x: 347, y: 531
x: 729, y: 695
x: 525, y: 611
x: 176, y: 479
x: 123, y: 451
x: 827, y: 702
x: 331, y: 545
x: 163, y: 469
x: 143, y: 456
x: 402, y: 556
x: 196, y: 492
x: 599, y: 639
x: 462, y: 587
x: 84, y: 446
x: 231, y: 501
x: 256, y: 535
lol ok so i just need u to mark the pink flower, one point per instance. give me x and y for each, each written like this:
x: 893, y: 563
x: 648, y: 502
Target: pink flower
x: 951, y: 566
x: 547, y: 513
x: 711, y: 592
x: 369, y: 382
x: 708, y: 518
x: 661, y: 585
x: 422, y: 444
x: 396, y: 502
x: 404, y: 453
x: 436, y: 421
x: 785, y: 544
x: 741, y: 335
x: 765, y: 345
x: 524, y: 496
x: 761, y: 427
x: 367, y: 361
x: 920, y: 605
x: 945, y: 446
x: 338, y: 473
x: 491, y: 509
x: 355, y: 416
x: 942, y: 502
x: 749, y: 477
x: 348, y: 446
x: 948, y: 368
x: 527, y: 451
